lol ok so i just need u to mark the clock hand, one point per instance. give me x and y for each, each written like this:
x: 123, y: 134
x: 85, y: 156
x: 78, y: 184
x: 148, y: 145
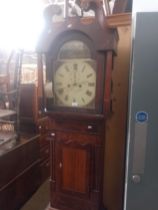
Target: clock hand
x: 74, y: 84
x: 66, y: 87
x: 83, y: 82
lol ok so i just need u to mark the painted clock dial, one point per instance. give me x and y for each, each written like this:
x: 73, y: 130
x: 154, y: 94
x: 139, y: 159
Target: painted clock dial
x: 75, y: 83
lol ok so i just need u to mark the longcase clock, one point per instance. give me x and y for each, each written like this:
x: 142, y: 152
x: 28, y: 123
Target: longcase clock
x: 79, y: 53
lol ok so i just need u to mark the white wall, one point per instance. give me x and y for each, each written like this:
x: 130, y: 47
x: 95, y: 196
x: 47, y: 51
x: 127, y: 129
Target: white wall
x: 142, y: 6
x: 145, y: 5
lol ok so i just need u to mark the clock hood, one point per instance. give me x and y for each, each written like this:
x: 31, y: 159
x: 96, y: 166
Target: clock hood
x: 104, y: 39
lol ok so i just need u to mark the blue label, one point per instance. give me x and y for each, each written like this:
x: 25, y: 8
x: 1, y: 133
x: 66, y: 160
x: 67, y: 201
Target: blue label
x: 142, y: 116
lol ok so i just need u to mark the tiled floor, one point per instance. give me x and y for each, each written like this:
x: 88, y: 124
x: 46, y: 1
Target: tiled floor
x: 40, y: 200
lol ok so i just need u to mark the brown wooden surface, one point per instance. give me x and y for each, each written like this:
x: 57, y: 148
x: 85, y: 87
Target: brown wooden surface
x: 119, y: 20
x: 28, y: 103
x: 9, y: 161
x: 92, y: 28
x: 108, y: 82
x: 30, y: 120
x: 19, y: 176
x: 74, y: 165
x: 116, y: 125
x: 20, y: 189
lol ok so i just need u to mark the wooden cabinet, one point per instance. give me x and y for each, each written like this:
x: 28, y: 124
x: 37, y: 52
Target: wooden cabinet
x: 76, y: 164
x: 31, y: 121
x: 28, y: 107
x: 19, y: 178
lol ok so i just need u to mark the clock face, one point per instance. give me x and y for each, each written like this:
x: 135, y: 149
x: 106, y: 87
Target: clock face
x: 75, y: 84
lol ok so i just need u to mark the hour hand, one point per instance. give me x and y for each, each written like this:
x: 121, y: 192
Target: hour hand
x: 75, y: 77
x: 83, y: 82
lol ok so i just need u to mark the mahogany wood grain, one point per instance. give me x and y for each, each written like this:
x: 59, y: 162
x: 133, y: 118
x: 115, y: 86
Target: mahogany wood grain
x: 74, y: 169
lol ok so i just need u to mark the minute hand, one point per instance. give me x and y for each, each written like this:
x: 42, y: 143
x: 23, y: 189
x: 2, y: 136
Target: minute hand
x: 83, y: 82
x: 75, y: 77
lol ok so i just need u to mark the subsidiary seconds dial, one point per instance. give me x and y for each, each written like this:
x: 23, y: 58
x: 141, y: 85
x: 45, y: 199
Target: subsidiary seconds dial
x: 75, y: 83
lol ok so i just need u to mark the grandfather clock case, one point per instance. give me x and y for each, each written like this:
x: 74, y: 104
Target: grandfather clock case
x: 79, y: 54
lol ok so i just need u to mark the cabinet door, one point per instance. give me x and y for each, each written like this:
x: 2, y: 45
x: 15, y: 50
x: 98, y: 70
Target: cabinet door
x: 73, y: 168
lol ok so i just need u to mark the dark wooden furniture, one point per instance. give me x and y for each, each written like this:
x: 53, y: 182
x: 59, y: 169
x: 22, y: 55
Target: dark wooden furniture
x: 75, y: 48
x: 31, y: 121
x: 19, y: 177
x: 28, y: 102
x: 24, y: 163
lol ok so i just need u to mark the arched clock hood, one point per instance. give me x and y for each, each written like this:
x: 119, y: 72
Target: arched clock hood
x: 104, y: 38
